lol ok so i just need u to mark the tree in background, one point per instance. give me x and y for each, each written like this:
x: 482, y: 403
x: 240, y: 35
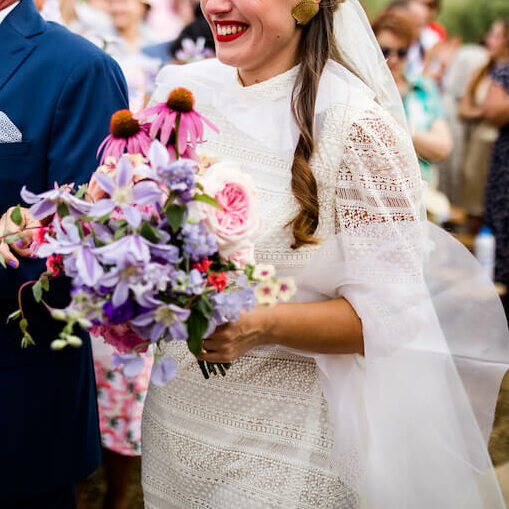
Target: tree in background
x: 468, y: 19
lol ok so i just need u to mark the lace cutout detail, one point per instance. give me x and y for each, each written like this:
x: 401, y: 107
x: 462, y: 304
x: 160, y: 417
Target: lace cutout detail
x: 378, y: 200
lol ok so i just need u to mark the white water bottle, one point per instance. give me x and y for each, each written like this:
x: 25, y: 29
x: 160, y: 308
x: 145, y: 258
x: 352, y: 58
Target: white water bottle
x: 484, y: 248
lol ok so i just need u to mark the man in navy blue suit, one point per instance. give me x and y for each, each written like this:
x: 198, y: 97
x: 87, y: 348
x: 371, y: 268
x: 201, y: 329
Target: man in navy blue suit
x: 57, y: 94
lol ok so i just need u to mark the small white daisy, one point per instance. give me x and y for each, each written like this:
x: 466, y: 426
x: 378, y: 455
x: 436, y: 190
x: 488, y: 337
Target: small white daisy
x: 264, y: 272
x: 266, y: 293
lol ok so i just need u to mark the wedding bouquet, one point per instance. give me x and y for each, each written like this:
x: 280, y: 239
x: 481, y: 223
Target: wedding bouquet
x: 159, y: 245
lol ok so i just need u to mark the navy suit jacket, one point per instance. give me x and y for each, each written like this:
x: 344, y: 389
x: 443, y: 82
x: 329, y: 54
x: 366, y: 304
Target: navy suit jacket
x: 60, y: 91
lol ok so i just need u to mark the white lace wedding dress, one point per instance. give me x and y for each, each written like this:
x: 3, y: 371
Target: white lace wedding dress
x: 262, y: 437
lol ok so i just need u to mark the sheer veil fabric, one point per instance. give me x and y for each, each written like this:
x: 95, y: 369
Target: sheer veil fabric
x: 416, y: 410
x: 420, y: 403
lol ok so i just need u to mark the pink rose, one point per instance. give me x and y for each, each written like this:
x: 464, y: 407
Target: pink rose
x: 238, y: 224
x: 243, y: 257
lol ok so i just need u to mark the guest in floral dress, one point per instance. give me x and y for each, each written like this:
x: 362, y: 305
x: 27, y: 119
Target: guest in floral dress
x: 120, y: 401
x: 496, y: 112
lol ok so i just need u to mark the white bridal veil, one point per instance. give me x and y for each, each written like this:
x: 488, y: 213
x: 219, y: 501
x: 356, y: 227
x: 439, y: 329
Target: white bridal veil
x: 418, y: 407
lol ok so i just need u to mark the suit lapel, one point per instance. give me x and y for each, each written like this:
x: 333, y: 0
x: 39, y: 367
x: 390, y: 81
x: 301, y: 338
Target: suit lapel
x: 14, y: 50
x: 18, y: 38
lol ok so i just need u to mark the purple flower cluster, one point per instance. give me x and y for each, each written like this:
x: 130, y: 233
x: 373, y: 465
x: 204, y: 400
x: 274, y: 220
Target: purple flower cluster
x: 179, y: 177
x: 197, y: 242
x: 187, y: 283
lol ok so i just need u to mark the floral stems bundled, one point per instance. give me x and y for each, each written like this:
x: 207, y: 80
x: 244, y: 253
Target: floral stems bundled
x: 159, y: 245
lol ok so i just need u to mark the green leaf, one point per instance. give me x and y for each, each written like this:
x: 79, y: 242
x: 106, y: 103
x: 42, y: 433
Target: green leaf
x: 120, y: 232
x: 249, y: 270
x: 205, y: 306
x: 2, y: 261
x: 175, y: 215
x: 205, y: 198
x: 79, y: 225
x: 16, y: 216
x: 11, y: 239
x: 197, y: 325
x: 81, y: 191
x: 14, y: 315
x: 23, y: 324
x: 37, y: 291
x: 27, y: 340
x: 62, y: 209
x: 149, y: 233
x: 44, y: 279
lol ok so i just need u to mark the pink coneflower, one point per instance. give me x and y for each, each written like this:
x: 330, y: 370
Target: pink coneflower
x: 189, y: 152
x: 126, y: 133
x: 177, y: 114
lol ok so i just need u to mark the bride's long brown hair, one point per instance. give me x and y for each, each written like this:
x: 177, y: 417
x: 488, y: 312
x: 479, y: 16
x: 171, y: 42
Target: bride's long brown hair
x: 317, y: 45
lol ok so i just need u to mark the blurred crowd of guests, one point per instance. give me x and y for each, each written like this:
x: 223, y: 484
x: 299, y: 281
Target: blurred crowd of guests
x: 142, y: 35
x: 456, y: 98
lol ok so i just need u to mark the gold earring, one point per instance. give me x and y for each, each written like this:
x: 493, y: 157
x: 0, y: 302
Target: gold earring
x: 304, y: 11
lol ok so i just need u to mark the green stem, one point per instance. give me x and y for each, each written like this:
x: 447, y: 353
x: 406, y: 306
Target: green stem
x: 177, y: 127
x: 203, y: 370
x: 21, y: 288
x: 20, y: 231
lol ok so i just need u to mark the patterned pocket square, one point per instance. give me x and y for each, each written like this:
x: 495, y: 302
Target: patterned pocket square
x: 9, y: 133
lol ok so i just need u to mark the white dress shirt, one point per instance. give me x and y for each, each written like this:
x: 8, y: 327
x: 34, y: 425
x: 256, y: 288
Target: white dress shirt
x: 5, y: 12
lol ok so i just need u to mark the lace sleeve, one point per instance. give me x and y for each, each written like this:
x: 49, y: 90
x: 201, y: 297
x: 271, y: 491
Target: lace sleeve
x: 378, y: 199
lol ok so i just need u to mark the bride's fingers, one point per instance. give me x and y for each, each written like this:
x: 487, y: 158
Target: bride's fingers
x: 215, y: 357
x: 9, y: 258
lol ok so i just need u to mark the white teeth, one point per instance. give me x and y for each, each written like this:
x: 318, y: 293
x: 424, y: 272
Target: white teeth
x: 229, y: 29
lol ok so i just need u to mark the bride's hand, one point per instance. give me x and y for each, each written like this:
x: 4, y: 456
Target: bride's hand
x: 233, y: 340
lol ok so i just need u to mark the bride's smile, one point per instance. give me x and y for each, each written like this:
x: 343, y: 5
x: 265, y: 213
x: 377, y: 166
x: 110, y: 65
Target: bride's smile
x: 227, y: 31
x: 258, y: 37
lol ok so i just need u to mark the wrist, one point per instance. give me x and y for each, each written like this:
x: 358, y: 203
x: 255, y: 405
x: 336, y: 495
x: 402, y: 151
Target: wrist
x: 268, y: 324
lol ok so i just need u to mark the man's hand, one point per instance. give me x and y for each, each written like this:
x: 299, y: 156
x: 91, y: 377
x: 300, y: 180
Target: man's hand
x: 21, y: 246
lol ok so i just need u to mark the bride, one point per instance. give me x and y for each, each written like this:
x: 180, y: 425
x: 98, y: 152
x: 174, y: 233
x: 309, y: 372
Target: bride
x: 371, y: 389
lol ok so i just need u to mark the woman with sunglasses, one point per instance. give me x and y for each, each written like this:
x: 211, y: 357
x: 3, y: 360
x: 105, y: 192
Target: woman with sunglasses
x: 431, y: 136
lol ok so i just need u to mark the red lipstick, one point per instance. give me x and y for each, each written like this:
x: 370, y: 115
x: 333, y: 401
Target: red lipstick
x: 227, y: 31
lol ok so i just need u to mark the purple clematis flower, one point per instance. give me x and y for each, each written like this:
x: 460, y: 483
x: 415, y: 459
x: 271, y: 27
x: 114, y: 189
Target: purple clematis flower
x: 155, y: 279
x: 167, y: 252
x: 163, y: 370
x: 45, y: 204
x: 162, y: 319
x: 67, y: 241
x: 126, y: 273
x: 135, y: 245
x: 124, y: 195
x: 132, y: 364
